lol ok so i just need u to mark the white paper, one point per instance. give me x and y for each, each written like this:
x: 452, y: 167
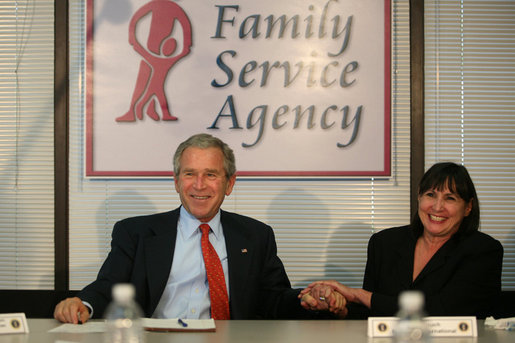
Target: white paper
x: 501, y: 324
x: 159, y: 324
x: 88, y: 327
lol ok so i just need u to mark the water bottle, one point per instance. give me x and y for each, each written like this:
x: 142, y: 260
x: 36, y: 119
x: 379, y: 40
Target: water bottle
x: 123, y: 317
x: 411, y: 326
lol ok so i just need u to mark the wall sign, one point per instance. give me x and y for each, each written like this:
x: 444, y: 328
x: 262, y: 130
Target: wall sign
x: 296, y: 88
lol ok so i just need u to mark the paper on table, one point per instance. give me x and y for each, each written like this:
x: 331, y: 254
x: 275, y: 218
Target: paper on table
x: 173, y: 324
x: 501, y: 324
x: 88, y: 327
x: 150, y: 324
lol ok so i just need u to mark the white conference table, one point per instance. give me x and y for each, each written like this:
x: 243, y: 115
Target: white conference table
x: 253, y: 331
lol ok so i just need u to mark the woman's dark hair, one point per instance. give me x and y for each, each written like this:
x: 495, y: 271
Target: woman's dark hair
x: 457, y: 179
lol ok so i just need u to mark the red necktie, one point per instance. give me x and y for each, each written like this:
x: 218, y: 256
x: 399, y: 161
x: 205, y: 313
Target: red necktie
x: 215, y: 277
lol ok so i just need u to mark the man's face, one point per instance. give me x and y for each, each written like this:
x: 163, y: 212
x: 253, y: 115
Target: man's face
x: 202, y: 183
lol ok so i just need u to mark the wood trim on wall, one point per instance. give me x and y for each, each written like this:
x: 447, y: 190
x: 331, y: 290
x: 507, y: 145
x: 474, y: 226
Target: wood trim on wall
x: 417, y: 99
x: 61, y: 132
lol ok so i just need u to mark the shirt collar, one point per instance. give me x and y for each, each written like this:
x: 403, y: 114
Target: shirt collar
x: 188, y: 224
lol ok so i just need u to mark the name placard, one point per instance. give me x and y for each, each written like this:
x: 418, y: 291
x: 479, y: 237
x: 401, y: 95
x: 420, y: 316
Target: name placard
x: 13, y: 323
x: 438, y: 326
x: 452, y: 326
x: 381, y: 326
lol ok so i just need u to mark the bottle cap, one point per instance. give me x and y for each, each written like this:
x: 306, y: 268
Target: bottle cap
x: 123, y: 292
x: 411, y: 301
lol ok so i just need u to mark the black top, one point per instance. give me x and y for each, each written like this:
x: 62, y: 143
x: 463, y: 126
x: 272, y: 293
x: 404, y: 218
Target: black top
x: 463, y: 278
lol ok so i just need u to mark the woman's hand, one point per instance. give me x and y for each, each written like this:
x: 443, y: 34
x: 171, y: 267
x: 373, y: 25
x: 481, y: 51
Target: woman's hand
x: 355, y: 295
x: 321, y: 297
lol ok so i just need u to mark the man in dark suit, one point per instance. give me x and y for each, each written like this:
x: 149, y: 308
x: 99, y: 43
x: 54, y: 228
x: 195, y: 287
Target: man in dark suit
x: 161, y: 254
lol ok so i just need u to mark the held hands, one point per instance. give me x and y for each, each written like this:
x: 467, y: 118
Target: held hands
x: 355, y: 295
x: 320, y: 297
x: 71, y: 310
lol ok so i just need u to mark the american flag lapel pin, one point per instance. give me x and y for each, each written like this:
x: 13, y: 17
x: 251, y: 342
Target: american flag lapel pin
x: 244, y: 251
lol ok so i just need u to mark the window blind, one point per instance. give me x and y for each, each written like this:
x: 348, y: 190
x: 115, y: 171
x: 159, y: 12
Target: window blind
x: 470, y: 105
x: 26, y: 144
x: 322, y: 226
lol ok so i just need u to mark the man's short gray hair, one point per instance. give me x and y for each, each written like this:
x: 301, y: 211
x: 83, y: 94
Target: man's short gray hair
x: 204, y: 141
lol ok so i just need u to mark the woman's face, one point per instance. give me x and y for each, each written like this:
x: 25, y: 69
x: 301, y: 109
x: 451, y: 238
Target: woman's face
x: 442, y: 212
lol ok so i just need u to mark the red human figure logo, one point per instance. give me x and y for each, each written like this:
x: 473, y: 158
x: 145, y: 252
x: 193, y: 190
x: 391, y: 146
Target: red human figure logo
x: 157, y: 59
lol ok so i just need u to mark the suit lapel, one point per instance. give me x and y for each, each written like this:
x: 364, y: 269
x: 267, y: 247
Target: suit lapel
x: 159, y: 250
x: 436, y: 262
x: 405, y: 251
x: 239, y: 256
